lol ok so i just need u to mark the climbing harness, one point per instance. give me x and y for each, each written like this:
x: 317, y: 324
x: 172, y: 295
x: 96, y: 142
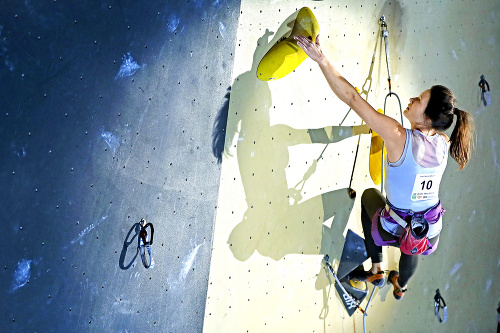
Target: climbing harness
x: 145, y: 243
x: 439, y: 303
x: 385, y: 36
x: 485, y: 91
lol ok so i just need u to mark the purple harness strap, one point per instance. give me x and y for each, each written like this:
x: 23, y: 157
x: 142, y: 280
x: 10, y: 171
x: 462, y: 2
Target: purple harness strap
x: 432, y: 215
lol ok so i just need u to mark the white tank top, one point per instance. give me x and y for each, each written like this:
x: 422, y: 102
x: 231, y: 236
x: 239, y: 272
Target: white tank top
x: 413, y: 181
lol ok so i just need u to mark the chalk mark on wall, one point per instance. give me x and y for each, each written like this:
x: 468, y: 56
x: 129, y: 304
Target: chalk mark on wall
x: 112, y: 141
x: 188, y: 263
x: 21, y: 275
x: 128, y: 67
x: 85, y: 231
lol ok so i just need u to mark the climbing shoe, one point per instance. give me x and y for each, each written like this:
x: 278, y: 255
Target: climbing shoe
x: 360, y: 274
x: 393, y: 277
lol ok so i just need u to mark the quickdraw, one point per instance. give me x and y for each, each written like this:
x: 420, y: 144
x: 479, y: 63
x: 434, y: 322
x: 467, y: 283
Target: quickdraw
x: 385, y: 36
x: 439, y: 304
x: 145, y: 243
x: 485, y: 91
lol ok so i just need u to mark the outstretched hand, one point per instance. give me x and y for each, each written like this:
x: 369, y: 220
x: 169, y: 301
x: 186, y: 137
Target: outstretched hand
x: 313, y: 50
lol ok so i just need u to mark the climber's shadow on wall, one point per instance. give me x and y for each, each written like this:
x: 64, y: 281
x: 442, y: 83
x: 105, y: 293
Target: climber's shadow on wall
x: 276, y: 222
x: 127, y: 250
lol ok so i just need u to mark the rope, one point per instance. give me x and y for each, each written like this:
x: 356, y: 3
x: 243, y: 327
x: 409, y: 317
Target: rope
x: 385, y: 36
x: 366, y: 307
x: 383, y: 143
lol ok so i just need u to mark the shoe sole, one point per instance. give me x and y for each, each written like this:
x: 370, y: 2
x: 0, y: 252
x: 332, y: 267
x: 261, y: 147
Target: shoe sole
x: 397, y: 293
x: 376, y: 279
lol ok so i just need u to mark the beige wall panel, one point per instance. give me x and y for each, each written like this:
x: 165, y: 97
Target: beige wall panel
x: 283, y: 200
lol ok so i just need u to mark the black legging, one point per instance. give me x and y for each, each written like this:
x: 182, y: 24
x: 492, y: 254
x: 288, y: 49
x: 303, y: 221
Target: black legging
x: 372, y: 200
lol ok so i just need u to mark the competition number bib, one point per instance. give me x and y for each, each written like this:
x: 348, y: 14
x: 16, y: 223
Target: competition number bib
x: 426, y: 186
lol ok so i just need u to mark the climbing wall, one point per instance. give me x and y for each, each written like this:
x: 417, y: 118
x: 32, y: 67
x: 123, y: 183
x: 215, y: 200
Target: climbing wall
x: 109, y: 113
x: 290, y: 152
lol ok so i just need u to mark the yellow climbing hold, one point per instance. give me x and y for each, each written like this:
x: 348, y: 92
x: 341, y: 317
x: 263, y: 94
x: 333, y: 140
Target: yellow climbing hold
x: 376, y: 156
x: 286, y: 55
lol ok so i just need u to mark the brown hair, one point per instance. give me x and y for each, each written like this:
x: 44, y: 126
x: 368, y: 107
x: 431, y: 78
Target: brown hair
x: 440, y: 110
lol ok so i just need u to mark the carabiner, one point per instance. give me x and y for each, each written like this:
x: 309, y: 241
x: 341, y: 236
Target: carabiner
x: 485, y: 91
x: 438, y: 299
x: 145, y: 244
x: 144, y: 234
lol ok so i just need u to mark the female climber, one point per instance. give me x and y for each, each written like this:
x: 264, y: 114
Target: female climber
x: 416, y: 160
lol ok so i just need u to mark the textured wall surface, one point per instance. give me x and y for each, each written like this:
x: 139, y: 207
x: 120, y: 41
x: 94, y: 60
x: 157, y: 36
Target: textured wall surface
x: 109, y: 114
x: 114, y: 111
x: 283, y: 199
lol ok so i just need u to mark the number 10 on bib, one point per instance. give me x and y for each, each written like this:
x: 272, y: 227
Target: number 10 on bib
x: 426, y: 187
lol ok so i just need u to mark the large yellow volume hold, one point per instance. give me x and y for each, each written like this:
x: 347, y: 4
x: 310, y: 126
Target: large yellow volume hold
x: 286, y: 55
x: 376, y: 156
